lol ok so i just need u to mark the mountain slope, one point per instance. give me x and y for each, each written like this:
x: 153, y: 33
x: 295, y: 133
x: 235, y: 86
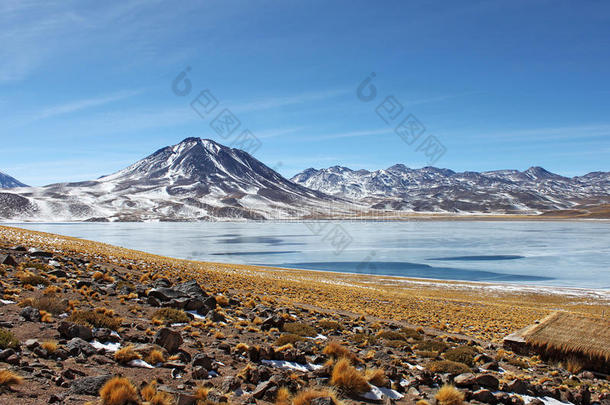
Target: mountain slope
x: 7, y: 181
x: 431, y: 189
x: 195, y: 179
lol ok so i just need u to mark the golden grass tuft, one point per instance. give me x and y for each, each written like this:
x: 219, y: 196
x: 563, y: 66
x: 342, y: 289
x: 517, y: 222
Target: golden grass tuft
x: 155, y: 356
x: 162, y: 398
x: 119, y: 391
x: 170, y: 315
x: 50, y: 346
x: 221, y: 300
x: 9, y: 379
x: 376, y: 377
x: 96, y: 319
x: 148, y: 391
x: 126, y: 354
x: 336, y: 350
x: 306, y: 397
x: 283, y: 396
x: 449, y: 395
x: 346, y: 377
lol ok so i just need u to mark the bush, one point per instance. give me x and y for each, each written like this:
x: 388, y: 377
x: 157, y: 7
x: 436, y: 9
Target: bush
x: 171, y: 315
x: 308, y: 396
x: 119, y: 391
x: 51, y: 304
x: 8, y: 340
x: 288, y: 338
x: 155, y: 356
x: 33, y: 279
x: 411, y: 333
x: 448, y: 366
x: 126, y: 354
x: 360, y: 338
x: 449, y: 395
x: 461, y: 354
x: 346, y: 377
x: 35, y: 265
x: 330, y: 325
x: 301, y: 329
x: 391, y: 335
x: 336, y: 351
x: 8, y: 378
x: 376, y: 377
x: 50, y: 346
x: 96, y: 319
x: 396, y: 343
x: 432, y: 345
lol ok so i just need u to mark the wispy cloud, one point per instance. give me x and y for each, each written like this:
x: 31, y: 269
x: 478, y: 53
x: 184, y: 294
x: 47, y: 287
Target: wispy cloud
x: 550, y: 133
x: 83, y: 104
x: 352, y: 134
x: 283, y: 101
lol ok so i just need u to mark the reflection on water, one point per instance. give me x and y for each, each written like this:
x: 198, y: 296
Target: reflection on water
x: 575, y: 254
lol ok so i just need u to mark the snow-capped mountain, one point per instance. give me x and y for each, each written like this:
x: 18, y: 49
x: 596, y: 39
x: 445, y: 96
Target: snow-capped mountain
x: 441, y: 190
x: 7, y: 181
x: 195, y: 179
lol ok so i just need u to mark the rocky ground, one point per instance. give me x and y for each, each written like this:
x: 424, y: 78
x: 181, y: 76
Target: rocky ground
x: 70, y: 323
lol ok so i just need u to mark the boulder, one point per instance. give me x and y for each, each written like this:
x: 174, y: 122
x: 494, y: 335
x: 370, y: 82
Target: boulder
x: 30, y: 314
x: 8, y: 260
x: 77, y: 346
x: 169, y: 339
x: 89, y: 385
x: 485, y: 396
x: 69, y: 330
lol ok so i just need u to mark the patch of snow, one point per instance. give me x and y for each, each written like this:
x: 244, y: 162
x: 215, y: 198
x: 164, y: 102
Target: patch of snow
x: 7, y: 302
x: 139, y: 363
x: 109, y: 347
x: 289, y: 365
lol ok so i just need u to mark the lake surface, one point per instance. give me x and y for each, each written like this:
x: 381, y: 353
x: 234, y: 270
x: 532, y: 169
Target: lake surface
x: 569, y: 254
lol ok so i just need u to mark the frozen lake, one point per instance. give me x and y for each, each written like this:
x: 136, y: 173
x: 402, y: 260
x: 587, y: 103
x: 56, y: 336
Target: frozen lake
x: 570, y: 254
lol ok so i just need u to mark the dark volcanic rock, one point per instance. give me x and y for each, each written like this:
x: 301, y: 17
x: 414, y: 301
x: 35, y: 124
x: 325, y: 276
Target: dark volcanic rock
x: 89, y: 385
x: 169, y: 339
x: 69, y: 330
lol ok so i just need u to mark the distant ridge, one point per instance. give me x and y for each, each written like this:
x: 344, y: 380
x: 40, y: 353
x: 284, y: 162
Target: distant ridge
x: 7, y: 181
x: 431, y: 189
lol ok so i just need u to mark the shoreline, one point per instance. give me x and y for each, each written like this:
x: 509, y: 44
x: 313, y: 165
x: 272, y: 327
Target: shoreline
x: 484, y: 310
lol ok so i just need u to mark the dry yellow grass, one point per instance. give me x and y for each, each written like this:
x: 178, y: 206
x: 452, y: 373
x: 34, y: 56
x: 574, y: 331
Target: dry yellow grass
x: 346, y: 377
x: 155, y: 357
x: 283, y: 396
x: 306, y: 397
x: 336, y: 350
x: 449, y: 395
x: 9, y: 379
x: 50, y: 346
x: 126, y: 354
x: 376, y: 377
x: 119, y: 391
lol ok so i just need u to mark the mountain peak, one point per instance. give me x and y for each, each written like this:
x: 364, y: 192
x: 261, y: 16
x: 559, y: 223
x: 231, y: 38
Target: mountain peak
x: 7, y: 181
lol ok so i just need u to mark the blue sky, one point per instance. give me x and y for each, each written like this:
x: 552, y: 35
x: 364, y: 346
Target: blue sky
x: 85, y: 87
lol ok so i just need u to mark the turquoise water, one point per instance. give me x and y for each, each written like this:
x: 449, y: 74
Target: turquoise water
x: 569, y: 254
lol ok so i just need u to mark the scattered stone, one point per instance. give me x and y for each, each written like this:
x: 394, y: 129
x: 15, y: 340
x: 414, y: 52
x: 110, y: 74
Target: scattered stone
x: 169, y: 339
x: 30, y: 314
x: 69, y: 330
x: 89, y: 385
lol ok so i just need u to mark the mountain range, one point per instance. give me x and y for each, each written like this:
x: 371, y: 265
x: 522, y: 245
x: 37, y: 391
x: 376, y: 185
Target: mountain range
x: 430, y: 189
x: 199, y: 179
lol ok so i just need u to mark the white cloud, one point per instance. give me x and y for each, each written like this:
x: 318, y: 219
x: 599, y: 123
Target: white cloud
x: 85, y: 103
x: 276, y: 102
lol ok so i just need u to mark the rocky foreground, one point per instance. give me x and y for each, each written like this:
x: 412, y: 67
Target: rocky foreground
x: 84, y: 328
